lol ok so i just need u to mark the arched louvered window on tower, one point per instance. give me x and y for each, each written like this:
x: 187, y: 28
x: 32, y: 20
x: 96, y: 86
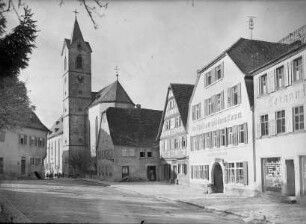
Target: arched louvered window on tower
x: 79, y: 62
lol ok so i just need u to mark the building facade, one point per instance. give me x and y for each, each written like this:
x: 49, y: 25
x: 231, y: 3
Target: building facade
x: 23, y: 149
x: 172, y: 134
x: 127, y: 147
x: 280, y: 104
x: 220, y: 121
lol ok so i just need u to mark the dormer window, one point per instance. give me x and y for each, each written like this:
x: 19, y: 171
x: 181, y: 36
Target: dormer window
x: 79, y: 62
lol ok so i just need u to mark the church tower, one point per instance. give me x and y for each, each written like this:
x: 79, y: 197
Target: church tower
x: 76, y: 57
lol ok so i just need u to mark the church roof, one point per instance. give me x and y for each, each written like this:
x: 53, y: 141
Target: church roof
x: 135, y: 127
x: 57, y: 128
x: 182, y: 94
x: 76, y: 33
x: 33, y: 122
x: 113, y: 93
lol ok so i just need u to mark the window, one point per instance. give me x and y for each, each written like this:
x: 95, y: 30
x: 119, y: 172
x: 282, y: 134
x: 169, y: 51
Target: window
x: 37, y: 161
x: 41, y: 142
x: 279, y: 77
x: 208, y: 79
x: 22, y: 139
x: 149, y: 154
x: 32, y: 161
x: 234, y: 95
x: 196, y: 111
x: 218, y: 72
x: 223, y: 137
x: 128, y: 152
x: 230, y: 135
x: 142, y: 154
x: 297, y: 69
x: 2, y: 136
x: 263, y: 84
x: 264, y: 125
x: 184, y: 142
x: 218, y: 102
x: 280, y: 122
x: 210, y: 106
x: 184, y: 168
x: 242, y: 138
x: 79, y: 62
x: 167, y: 124
x: 298, y: 118
x: 171, y: 104
x: 1, y: 165
x: 176, y: 143
x: 236, y: 173
x: 65, y: 64
x: 178, y: 122
x: 200, y: 172
x: 179, y: 168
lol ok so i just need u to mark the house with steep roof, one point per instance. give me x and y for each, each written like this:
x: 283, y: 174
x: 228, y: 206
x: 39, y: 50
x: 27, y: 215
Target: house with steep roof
x: 280, y: 140
x: 127, y: 147
x: 220, y: 118
x: 172, y: 134
x: 72, y: 141
x: 23, y: 149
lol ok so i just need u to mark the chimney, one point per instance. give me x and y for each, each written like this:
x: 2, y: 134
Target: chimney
x: 138, y: 106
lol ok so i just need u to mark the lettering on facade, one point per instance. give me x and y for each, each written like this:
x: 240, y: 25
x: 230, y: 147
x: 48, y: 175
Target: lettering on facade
x: 288, y: 97
x: 217, y: 154
x: 174, y: 153
x: 172, y: 132
x: 217, y: 121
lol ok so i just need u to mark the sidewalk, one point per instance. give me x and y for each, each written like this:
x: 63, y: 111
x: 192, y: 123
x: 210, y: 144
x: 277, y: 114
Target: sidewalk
x: 259, y: 209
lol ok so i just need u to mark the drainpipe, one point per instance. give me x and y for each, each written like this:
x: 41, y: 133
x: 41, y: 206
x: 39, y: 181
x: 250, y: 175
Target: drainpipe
x: 253, y: 142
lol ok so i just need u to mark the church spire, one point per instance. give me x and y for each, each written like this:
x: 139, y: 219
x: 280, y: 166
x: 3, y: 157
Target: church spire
x: 76, y: 33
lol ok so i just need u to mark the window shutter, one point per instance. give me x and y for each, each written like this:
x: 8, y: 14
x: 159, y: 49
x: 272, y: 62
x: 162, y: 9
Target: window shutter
x: 291, y: 71
x: 204, y: 78
x: 222, y: 69
x: 213, y: 75
x: 222, y: 100
x: 213, y: 102
x: 206, y: 107
x: 25, y: 139
x: 226, y: 137
x: 258, y: 130
x: 229, y: 97
x: 245, y: 173
x: 235, y: 132
x: 245, y: 125
x: 289, y: 121
x: 256, y: 86
x: 225, y: 173
x: 304, y: 66
x: 270, y: 81
x: 239, y: 93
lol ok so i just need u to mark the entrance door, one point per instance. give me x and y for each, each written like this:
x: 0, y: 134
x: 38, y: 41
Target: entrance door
x: 23, y: 165
x: 167, y: 172
x: 218, y: 178
x: 303, y: 175
x: 151, y: 173
x: 290, y: 177
x: 125, y: 172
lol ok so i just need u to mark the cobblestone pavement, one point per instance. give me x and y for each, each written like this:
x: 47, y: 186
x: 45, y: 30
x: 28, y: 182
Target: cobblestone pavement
x: 80, y: 201
x: 259, y: 209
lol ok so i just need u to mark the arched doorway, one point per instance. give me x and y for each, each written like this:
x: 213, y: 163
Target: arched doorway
x: 218, y: 178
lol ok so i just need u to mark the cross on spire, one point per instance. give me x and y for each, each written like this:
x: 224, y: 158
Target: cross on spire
x: 75, y: 13
x: 117, y: 70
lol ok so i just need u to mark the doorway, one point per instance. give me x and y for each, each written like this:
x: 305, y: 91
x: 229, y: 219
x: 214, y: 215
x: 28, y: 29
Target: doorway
x: 125, y: 172
x: 151, y: 173
x: 218, y: 178
x: 290, y: 177
x: 23, y: 165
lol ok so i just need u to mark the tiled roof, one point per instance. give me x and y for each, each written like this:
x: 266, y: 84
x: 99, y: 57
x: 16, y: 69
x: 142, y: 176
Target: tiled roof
x: 249, y: 54
x: 182, y: 94
x: 134, y: 127
x: 34, y: 122
x: 112, y: 93
x: 57, y: 128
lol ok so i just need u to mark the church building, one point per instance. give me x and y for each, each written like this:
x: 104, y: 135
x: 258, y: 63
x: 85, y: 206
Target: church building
x: 73, y: 140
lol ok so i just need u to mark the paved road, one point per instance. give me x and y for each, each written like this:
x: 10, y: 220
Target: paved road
x: 79, y: 201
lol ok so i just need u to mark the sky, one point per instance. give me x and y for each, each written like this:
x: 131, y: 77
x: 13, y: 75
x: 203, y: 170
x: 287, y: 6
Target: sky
x: 153, y: 43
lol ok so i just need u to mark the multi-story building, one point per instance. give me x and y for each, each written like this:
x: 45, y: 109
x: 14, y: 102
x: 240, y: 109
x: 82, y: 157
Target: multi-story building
x: 23, y: 149
x: 280, y: 104
x: 172, y: 135
x: 220, y: 120
x: 127, y: 147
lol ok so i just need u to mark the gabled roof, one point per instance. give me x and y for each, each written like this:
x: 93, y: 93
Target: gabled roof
x: 182, y: 94
x: 113, y: 93
x: 249, y: 54
x: 134, y: 127
x: 33, y: 122
x: 57, y: 128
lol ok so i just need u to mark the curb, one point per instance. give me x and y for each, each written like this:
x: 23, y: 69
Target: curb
x: 9, y: 212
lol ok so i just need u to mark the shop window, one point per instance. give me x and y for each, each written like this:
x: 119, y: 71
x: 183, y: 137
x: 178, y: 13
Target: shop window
x: 297, y: 69
x: 236, y: 173
x: 298, y: 118
x: 200, y: 172
x: 272, y: 176
x: 280, y: 122
x: 280, y: 75
x: 264, y: 125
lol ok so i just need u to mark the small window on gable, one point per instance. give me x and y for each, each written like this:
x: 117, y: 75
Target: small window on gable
x: 79, y: 62
x: 65, y: 64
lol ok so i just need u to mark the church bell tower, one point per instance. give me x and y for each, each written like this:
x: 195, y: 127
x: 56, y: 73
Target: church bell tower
x: 76, y: 57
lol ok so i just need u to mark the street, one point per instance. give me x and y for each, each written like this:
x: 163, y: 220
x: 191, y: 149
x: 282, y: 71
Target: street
x: 79, y: 201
